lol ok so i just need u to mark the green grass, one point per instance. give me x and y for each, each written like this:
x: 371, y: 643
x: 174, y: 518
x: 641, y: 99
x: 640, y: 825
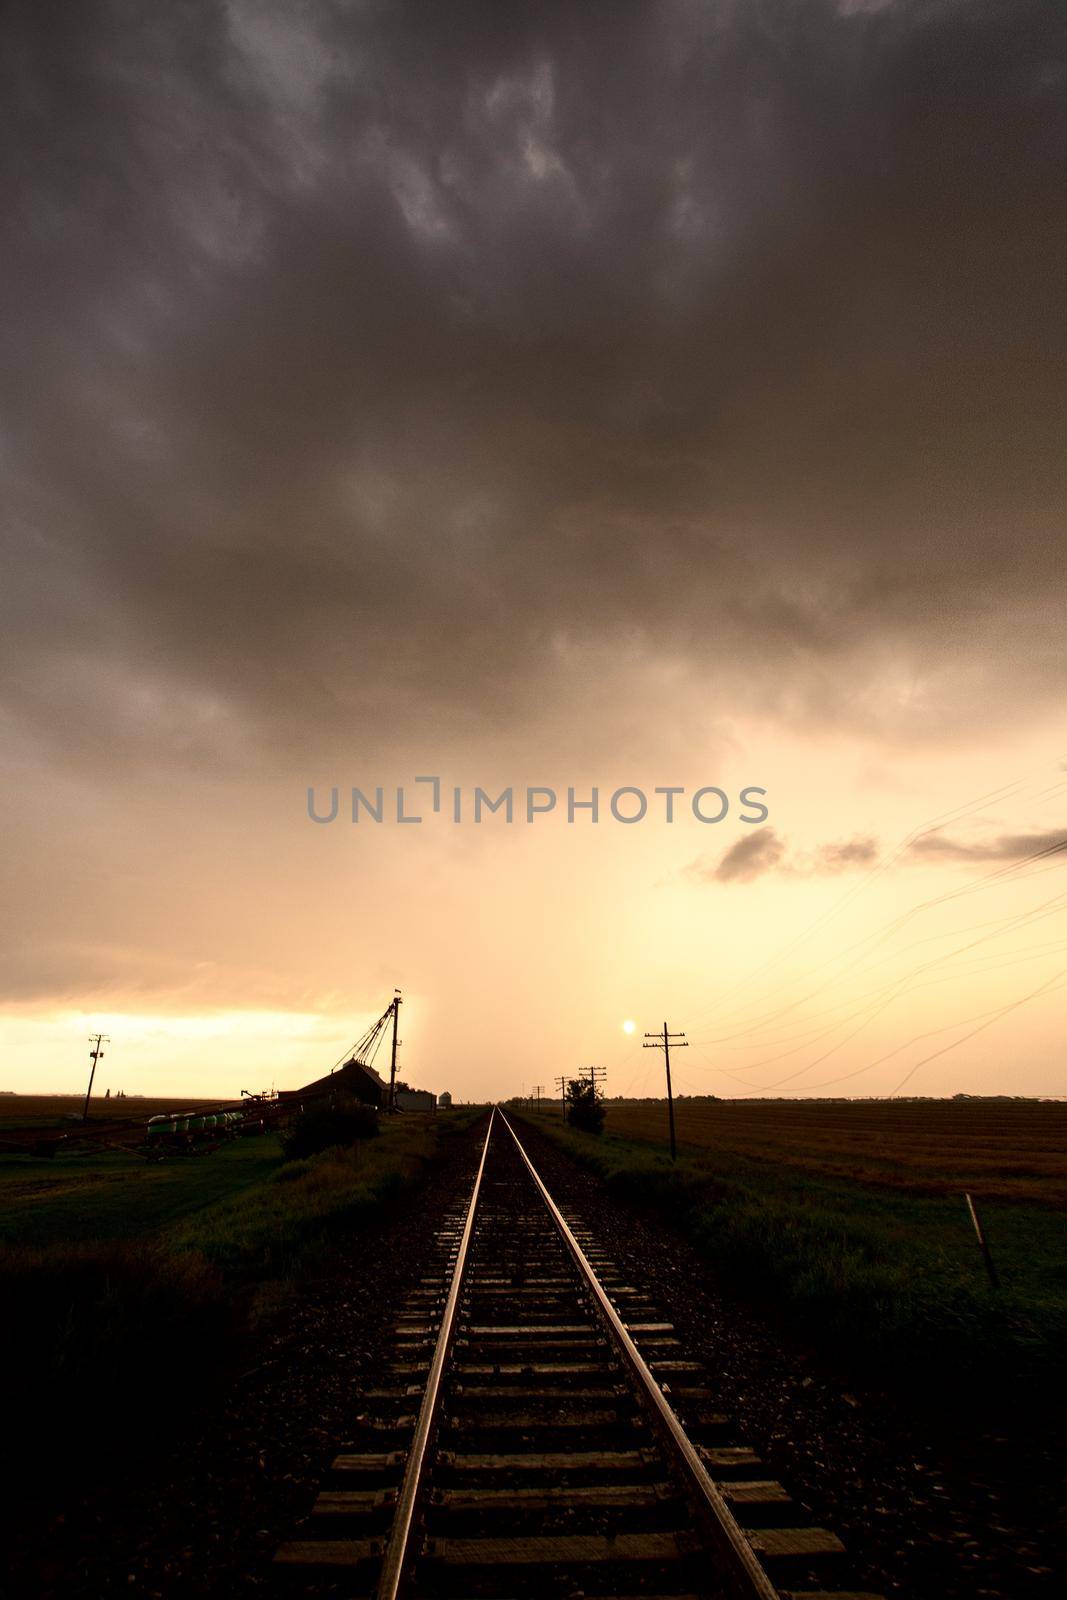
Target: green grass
x: 265, y: 1230
x: 112, y: 1195
x: 892, y: 1285
x: 122, y: 1276
x: 225, y: 1203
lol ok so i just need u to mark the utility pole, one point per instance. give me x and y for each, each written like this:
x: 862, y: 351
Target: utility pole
x: 392, y: 1061
x: 597, y: 1075
x: 561, y: 1082
x: 97, y: 1042
x: 538, y: 1089
x: 663, y: 1042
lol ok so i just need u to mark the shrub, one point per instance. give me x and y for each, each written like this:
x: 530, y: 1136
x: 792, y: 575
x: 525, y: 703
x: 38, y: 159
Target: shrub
x: 585, y: 1107
x: 322, y: 1127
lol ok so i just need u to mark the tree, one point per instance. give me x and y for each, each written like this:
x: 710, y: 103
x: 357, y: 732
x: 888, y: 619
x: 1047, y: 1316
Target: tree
x: 585, y: 1106
x: 322, y: 1126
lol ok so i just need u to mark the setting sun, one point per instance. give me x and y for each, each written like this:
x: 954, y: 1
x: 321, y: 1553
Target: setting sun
x: 628, y: 1026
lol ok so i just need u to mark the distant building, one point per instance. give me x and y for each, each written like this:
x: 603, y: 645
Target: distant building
x: 416, y: 1100
x: 444, y: 1100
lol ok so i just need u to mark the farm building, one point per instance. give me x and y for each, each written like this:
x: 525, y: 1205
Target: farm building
x: 416, y: 1100
x: 354, y: 1079
x: 444, y: 1100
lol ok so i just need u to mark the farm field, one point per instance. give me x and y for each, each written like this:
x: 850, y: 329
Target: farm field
x: 92, y: 1197
x: 1013, y: 1150
x: 87, y: 1197
x: 848, y: 1222
x: 54, y: 1110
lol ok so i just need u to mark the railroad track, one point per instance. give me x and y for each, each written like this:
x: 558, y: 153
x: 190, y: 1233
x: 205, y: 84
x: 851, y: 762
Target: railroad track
x: 541, y: 1432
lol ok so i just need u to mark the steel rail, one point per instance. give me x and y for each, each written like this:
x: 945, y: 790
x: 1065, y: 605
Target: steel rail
x: 397, y: 1551
x: 745, y: 1575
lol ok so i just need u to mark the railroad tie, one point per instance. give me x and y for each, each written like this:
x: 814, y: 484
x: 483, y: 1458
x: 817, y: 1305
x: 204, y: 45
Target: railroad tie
x: 562, y: 1549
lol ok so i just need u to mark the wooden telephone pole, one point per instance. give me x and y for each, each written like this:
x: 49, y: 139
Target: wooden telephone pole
x: 97, y: 1042
x: 561, y: 1082
x: 663, y: 1042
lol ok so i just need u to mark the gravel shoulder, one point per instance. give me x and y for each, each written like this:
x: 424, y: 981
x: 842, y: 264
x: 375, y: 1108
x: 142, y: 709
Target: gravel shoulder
x: 923, y: 1511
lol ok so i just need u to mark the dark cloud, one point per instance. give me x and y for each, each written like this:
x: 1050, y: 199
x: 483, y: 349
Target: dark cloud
x: 849, y: 853
x: 939, y: 846
x: 749, y: 858
x: 765, y: 851
x: 408, y: 370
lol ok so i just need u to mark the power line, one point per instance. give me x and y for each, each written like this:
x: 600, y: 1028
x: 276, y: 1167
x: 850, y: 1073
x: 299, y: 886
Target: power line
x: 957, y: 813
x: 880, y: 999
x: 879, y: 936
x: 870, y: 1013
x: 901, y: 986
x: 961, y: 1022
x: 1004, y: 923
x: 875, y: 873
x: 1014, y: 1006
x: 993, y: 1013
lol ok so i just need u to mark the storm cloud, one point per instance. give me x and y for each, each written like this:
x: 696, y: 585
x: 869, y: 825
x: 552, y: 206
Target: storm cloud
x: 523, y: 393
x: 483, y: 368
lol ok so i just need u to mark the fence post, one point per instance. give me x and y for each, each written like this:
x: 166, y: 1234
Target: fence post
x: 982, y: 1243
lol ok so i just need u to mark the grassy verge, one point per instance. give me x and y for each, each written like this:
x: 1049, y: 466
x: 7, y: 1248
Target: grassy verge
x: 112, y: 1195
x: 265, y: 1231
x: 892, y: 1286
x: 127, y: 1281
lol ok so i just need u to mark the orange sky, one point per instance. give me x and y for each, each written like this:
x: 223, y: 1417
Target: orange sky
x: 522, y: 949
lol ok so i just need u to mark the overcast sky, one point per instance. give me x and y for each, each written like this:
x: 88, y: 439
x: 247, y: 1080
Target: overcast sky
x: 536, y: 394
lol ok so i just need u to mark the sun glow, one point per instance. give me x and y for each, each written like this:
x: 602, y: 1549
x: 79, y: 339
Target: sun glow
x: 628, y: 1026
